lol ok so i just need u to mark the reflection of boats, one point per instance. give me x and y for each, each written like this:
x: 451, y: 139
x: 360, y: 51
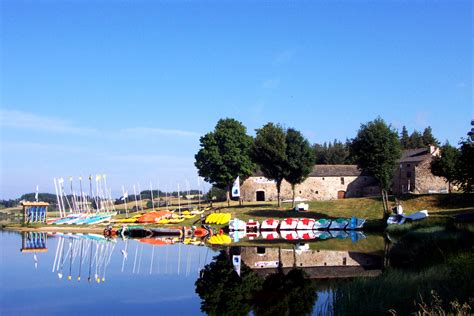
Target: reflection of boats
x: 270, y: 235
x: 289, y: 234
x: 142, y: 232
x: 80, y: 248
x: 306, y: 234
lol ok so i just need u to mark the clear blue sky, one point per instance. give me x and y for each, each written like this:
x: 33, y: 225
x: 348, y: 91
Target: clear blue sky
x: 126, y: 88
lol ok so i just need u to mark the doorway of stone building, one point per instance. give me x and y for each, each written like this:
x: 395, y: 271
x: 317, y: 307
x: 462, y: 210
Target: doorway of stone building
x: 341, y: 194
x: 260, y: 196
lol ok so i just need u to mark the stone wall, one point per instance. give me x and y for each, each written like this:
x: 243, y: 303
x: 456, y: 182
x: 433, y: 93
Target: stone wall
x: 426, y: 182
x: 416, y: 177
x: 313, y: 188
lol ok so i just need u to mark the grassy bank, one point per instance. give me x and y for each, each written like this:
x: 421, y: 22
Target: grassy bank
x: 430, y: 267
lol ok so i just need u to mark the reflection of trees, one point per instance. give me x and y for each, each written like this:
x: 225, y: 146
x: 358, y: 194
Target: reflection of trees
x: 290, y: 294
x: 223, y: 292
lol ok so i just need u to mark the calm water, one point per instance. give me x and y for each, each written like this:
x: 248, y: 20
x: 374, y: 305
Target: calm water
x: 80, y: 275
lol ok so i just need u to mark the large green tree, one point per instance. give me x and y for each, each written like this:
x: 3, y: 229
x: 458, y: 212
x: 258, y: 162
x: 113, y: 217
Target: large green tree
x: 225, y: 154
x: 465, y: 176
x: 376, y: 150
x: 300, y: 159
x: 269, y: 152
x: 446, y: 164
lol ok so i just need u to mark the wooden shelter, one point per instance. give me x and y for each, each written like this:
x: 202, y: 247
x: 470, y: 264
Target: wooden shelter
x: 34, y: 212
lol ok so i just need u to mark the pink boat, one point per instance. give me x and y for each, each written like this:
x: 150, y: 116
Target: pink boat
x: 289, y: 224
x: 269, y: 224
x: 305, y: 224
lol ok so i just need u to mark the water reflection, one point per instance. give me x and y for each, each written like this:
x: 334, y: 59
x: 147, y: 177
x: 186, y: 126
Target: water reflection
x: 275, y: 280
x: 104, y: 271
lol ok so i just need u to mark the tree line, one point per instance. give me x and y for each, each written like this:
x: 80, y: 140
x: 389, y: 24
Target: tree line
x: 339, y: 153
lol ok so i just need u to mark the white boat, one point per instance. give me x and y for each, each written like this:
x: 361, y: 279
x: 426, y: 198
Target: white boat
x: 289, y: 224
x: 301, y: 207
x: 270, y: 235
x: 305, y: 224
x: 269, y: 224
x: 339, y: 223
x: 322, y: 223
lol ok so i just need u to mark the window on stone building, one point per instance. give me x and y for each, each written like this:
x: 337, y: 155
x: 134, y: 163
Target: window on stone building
x: 317, y: 192
x: 300, y: 192
x: 323, y: 178
x: 261, y: 250
x: 342, y: 180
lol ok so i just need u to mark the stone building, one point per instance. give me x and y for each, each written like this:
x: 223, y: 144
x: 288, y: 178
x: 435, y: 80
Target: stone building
x: 413, y: 173
x: 316, y: 263
x: 325, y: 182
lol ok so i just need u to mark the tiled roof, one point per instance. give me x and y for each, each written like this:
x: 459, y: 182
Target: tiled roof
x: 415, y: 155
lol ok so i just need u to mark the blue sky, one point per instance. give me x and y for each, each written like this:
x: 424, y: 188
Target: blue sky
x: 127, y: 87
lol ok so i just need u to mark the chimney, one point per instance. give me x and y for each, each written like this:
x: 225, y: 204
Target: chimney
x: 434, y: 151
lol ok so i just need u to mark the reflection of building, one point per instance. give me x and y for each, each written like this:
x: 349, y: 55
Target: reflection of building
x: 318, y: 264
x: 413, y: 174
x: 325, y: 182
x: 33, y: 242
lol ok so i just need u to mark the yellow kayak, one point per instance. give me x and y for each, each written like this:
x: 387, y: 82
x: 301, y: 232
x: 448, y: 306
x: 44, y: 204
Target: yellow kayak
x: 164, y: 221
x: 189, y: 216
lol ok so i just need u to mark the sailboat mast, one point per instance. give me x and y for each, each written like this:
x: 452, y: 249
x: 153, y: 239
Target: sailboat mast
x: 151, y: 192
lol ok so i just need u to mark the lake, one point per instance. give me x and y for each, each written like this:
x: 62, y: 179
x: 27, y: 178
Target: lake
x: 45, y: 274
